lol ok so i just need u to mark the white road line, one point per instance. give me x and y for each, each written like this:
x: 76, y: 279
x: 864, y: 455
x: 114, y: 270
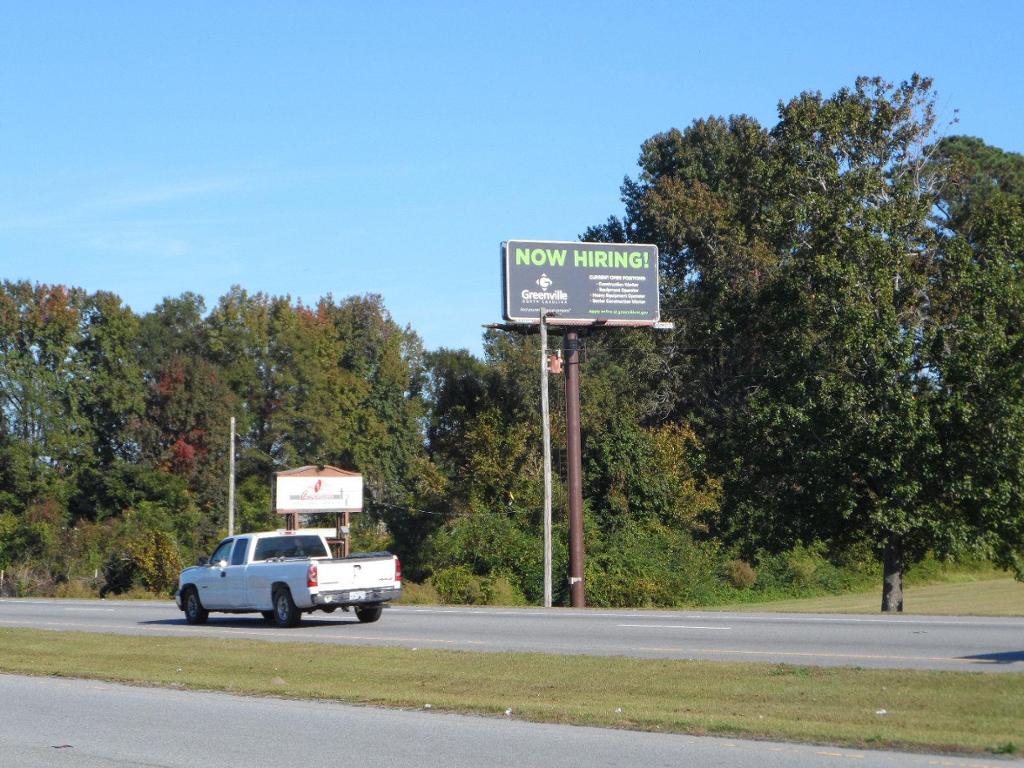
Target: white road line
x: 558, y: 613
x: 667, y: 626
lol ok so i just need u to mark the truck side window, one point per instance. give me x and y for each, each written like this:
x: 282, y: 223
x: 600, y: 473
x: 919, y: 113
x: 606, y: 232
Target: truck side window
x: 223, y: 552
x: 238, y: 554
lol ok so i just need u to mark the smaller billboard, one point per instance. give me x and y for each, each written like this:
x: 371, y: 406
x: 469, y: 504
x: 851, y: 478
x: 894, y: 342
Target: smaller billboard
x: 322, y: 492
x: 615, y: 283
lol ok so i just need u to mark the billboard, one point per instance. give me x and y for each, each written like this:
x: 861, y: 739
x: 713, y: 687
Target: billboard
x: 614, y: 283
x: 319, y: 492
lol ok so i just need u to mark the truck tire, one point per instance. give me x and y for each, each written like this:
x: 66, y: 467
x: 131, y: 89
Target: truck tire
x: 285, y: 612
x: 369, y: 614
x: 194, y: 611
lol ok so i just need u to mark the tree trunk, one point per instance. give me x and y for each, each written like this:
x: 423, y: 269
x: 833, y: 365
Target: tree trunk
x: 892, y: 579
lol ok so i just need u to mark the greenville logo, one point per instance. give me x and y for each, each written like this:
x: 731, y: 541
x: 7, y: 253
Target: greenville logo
x: 544, y: 296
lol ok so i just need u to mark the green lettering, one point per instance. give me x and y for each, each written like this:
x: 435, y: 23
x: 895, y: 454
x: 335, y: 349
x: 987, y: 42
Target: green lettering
x: 637, y: 259
x: 556, y: 258
x: 619, y: 259
x: 579, y: 258
x: 522, y: 256
x: 600, y: 259
x: 538, y: 257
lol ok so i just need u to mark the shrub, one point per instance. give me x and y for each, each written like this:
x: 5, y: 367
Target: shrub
x: 22, y: 580
x: 740, y: 574
x: 803, y: 564
x: 498, y: 590
x: 76, y: 588
x: 644, y: 563
x: 419, y: 594
x: 485, y: 544
x: 119, y: 574
x: 151, y: 560
x: 805, y: 570
x: 157, y: 560
x: 458, y: 584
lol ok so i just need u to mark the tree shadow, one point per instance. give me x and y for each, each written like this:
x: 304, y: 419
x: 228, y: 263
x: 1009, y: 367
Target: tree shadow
x: 248, y: 622
x: 1006, y: 657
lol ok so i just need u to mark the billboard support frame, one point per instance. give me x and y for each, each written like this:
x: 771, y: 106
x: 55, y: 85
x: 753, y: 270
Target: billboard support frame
x: 316, y: 506
x: 540, y: 320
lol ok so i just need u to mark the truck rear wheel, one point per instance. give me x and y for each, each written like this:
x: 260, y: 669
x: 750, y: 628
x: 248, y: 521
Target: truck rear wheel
x: 369, y: 614
x: 285, y: 612
x: 194, y: 611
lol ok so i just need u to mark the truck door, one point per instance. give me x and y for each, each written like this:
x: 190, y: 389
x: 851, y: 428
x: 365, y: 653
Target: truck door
x: 212, y: 579
x: 234, y: 574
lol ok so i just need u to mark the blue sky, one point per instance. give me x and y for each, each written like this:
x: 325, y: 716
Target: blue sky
x: 303, y: 148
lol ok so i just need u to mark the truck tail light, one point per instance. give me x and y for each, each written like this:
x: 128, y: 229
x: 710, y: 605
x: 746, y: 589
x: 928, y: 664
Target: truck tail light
x: 398, y: 569
x: 311, y: 577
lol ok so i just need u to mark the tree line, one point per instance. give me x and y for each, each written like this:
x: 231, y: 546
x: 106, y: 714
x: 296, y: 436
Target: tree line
x: 843, y: 389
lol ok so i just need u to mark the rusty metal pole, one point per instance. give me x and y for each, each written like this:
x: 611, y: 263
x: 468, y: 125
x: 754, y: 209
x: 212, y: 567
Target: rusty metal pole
x: 574, y: 458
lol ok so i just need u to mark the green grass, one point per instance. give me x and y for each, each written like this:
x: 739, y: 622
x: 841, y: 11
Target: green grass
x: 944, y: 711
x: 986, y: 597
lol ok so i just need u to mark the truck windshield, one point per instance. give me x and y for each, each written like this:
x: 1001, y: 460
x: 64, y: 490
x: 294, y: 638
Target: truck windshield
x: 289, y: 546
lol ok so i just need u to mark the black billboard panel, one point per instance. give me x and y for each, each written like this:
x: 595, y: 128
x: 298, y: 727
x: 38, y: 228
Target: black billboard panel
x: 588, y: 282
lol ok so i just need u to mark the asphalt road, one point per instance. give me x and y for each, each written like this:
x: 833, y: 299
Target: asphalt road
x: 908, y: 642
x: 87, y: 724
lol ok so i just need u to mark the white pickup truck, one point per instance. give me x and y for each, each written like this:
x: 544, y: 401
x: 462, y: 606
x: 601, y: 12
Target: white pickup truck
x: 284, y: 574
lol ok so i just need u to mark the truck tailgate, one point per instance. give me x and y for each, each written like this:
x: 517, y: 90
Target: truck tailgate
x: 356, y: 573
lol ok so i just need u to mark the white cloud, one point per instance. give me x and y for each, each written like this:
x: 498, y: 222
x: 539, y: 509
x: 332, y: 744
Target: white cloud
x: 120, y: 204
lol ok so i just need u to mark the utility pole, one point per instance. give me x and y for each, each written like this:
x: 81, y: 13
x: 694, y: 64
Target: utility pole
x: 546, y: 428
x: 574, y: 457
x: 231, y: 481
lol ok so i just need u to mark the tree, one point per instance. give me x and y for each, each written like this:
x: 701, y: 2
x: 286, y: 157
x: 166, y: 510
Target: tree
x: 387, y: 361
x: 977, y: 332
x: 174, y: 328
x: 188, y: 414
x: 47, y: 439
x: 973, y: 172
x: 808, y: 280
x: 845, y: 411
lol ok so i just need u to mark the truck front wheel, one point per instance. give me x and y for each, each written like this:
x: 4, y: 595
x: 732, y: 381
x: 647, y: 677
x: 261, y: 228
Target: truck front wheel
x: 369, y: 614
x: 194, y: 611
x: 285, y: 612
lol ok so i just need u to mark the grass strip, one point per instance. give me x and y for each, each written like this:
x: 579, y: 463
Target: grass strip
x: 987, y: 597
x: 933, y: 711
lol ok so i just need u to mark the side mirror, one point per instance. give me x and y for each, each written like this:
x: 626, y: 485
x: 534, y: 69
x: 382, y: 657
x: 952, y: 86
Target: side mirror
x: 204, y: 560
x: 221, y: 563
